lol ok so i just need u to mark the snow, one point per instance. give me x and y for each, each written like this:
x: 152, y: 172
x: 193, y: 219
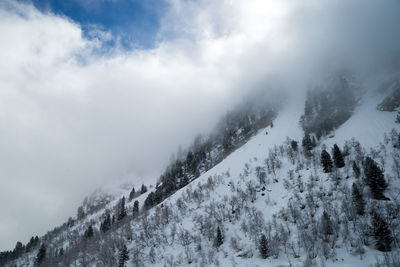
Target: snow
x: 367, y: 125
x: 285, y: 125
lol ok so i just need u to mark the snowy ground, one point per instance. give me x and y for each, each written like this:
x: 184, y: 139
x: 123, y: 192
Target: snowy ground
x: 367, y: 125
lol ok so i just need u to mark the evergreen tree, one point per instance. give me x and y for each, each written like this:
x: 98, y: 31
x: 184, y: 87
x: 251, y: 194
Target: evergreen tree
x: 149, y: 201
x: 122, y: 209
x: 293, y: 144
x: 19, y: 249
x: 356, y: 170
x: 123, y: 256
x: 358, y: 200
x: 227, y: 141
x: 80, y: 213
x: 169, y: 184
x: 307, y: 143
x: 30, y: 244
x: 33, y: 242
x: 338, y: 157
x: 132, y: 194
x: 135, y: 210
x: 398, y: 141
x: 106, y: 224
x: 190, y: 162
x: 381, y: 232
x: 61, y: 252
x: 218, y: 239
x: 326, y: 161
x: 89, y: 232
x: 263, y: 247
x: 143, y: 189
x: 374, y: 178
x: 326, y: 224
x: 41, y: 255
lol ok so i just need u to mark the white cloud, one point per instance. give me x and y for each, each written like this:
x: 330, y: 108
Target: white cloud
x: 71, y: 119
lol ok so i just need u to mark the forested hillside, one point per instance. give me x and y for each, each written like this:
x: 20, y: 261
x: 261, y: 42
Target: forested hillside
x: 282, y: 185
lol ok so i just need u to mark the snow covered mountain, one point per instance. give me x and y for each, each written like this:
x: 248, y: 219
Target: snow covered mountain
x: 268, y: 197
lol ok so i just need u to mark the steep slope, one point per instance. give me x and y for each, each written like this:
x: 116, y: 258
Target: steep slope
x: 367, y: 124
x: 285, y: 125
x: 269, y: 186
x: 239, y: 170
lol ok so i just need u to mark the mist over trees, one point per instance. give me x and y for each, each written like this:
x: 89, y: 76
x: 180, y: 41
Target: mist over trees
x: 329, y: 105
x: 323, y: 215
x: 233, y: 130
x: 392, y: 101
x: 302, y: 200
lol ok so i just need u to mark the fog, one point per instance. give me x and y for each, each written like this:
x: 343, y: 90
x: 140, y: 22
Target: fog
x: 74, y: 115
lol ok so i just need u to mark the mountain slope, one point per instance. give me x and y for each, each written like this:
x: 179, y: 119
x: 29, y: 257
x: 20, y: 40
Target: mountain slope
x: 367, y: 124
x: 269, y: 186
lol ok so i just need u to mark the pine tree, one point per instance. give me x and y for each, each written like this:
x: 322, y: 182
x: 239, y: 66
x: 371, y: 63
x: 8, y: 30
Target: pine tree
x: 123, y: 256
x: 19, y: 248
x: 149, y: 201
x: 218, y: 239
x: 122, y: 209
x: 307, y: 143
x: 374, y: 178
x: 106, y: 224
x: 356, y: 170
x: 358, y: 200
x: 338, y: 157
x: 41, y: 255
x: 326, y: 161
x: 293, y: 144
x: 61, y: 252
x: 89, y: 232
x: 326, y: 224
x: 381, y: 232
x: 132, y: 194
x: 398, y: 141
x: 263, y: 247
x: 169, y: 184
x: 80, y: 213
x: 143, y: 189
x: 135, y: 210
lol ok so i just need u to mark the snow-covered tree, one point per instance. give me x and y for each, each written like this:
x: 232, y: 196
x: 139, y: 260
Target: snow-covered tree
x: 263, y: 247
x: 338, y: 157
x: 381, y: 232
x: 218, y: 238
x: 123, y: 256
x: 326, y: 161
x: 41, y: 255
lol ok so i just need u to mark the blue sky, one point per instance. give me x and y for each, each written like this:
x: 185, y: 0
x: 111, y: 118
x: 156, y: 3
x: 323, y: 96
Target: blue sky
x: 135, y: 22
